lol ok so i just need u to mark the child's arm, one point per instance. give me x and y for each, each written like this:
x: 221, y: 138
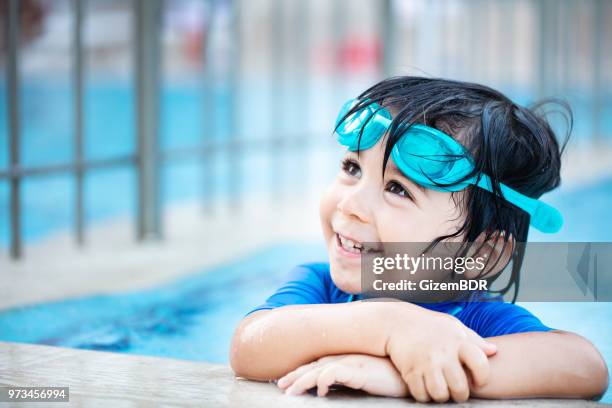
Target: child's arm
x: 544, y: 364
x: 268, y: 345
x: 553, y: 364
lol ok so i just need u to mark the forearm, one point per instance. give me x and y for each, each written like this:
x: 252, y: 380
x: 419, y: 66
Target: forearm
x: 269, y: 344
x: 553, y: 364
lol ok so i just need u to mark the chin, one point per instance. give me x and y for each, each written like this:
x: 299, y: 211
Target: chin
x: 348, y: 281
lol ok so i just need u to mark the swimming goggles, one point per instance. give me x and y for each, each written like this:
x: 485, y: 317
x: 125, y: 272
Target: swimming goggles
x: 433, y: 159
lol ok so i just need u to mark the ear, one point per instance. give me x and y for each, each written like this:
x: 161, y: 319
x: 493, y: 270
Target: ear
x: 496, y: 251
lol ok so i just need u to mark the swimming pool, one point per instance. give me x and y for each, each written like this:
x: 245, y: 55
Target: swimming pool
x: 194, y: 317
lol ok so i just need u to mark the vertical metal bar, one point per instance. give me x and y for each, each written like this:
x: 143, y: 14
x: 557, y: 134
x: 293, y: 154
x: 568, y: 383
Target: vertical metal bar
x: 598, y: 83
x: 77, y: 56
x: 509, y: 15
x: 12, y: 79
x: 209, y: 124
x: 470, y: 44
x: 337, y: 90
x: 236, y: 156
x: 568, y: 33
x: 543, y: 22
x: 485, y: 35
x: 147, y: 15
x: 556, y: 45
x: 547, y: 45
x: 339, y: 22
x: 388, y: 29
x: 474, y: 57
x: 442, y: 60
x: 301, y: 83
x: 277, y: 111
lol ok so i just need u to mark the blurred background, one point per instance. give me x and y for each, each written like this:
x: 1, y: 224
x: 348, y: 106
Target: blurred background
x: 202, y: 101
x: 146, y: 141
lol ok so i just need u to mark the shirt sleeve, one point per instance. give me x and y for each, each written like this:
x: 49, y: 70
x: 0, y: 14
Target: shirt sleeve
x: 307, y: 284
x: 490, y: 319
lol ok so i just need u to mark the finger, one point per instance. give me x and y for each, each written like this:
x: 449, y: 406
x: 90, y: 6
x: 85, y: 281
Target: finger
x: 416, y: 386
x: 304, y: 383
x: 488, y: 348
x: 476, y: 361
x: 326, y: 379
x: 336, y: 374
x: 287, y: 380
x: 436, y: 385
x: 457, y: 382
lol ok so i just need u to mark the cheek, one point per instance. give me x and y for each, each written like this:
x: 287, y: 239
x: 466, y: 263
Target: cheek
x: 404, y: 225
x: 412, y: 224
x: 327, y: 204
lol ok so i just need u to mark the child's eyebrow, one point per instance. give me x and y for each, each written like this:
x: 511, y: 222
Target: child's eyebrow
x: 396, y: 172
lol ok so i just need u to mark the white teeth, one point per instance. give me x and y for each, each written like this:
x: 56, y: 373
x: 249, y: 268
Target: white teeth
x: 350, y: 245
x: 357, y: 247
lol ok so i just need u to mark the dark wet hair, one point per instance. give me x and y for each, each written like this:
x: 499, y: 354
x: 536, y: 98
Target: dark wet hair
x: 512, y: 144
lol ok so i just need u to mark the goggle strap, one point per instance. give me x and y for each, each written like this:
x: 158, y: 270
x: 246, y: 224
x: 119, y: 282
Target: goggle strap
x: 543, y: 216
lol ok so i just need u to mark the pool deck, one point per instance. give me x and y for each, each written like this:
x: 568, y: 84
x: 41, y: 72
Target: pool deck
x: 102, y: 379
x: 194, y: 240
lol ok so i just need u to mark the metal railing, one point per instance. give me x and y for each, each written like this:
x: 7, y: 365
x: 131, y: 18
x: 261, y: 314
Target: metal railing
x: 148, y: 159
x: 12, y: 79
x: 145, y: 160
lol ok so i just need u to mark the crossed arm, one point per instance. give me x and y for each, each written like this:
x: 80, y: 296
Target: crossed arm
x: 434, y: 355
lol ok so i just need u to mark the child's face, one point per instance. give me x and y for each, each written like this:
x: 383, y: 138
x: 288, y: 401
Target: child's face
x: 363, y: 206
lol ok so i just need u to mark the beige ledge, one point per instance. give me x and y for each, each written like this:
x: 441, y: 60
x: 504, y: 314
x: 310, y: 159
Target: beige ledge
x: 113, y: 379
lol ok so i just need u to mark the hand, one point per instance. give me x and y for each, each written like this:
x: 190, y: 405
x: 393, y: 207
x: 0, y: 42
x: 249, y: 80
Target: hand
x: 428, y: 348
x: 374, y: 375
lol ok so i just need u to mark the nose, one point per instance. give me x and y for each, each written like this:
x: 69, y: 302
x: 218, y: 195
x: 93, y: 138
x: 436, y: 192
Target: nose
x: 354, y: 203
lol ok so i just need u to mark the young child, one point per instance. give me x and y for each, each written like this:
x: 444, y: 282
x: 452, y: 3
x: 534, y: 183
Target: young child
x: 316, y: 331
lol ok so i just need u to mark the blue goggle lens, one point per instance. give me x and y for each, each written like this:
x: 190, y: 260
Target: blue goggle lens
x: 372, y: 119
x: 432, y: 159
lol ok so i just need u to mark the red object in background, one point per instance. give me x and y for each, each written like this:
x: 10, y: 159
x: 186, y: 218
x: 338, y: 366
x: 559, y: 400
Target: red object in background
x: 358, y: 54
x: 193, y: 46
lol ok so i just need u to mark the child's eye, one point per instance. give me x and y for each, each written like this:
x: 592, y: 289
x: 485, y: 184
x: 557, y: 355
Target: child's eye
x: 396, y: 188
x: 351, y: 167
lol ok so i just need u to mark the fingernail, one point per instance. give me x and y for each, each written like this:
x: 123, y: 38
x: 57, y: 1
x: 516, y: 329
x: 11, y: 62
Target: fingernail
x: 281, y: 382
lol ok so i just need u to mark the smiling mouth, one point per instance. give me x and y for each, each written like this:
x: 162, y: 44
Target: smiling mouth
x: 355, y: 247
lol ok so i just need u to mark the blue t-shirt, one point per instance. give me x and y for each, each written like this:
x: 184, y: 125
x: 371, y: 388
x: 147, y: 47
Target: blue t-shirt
x: 312, y: 284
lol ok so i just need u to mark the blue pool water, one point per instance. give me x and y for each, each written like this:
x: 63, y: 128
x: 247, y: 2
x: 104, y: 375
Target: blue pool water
x: 194, y: 317
x: 587, y: 214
